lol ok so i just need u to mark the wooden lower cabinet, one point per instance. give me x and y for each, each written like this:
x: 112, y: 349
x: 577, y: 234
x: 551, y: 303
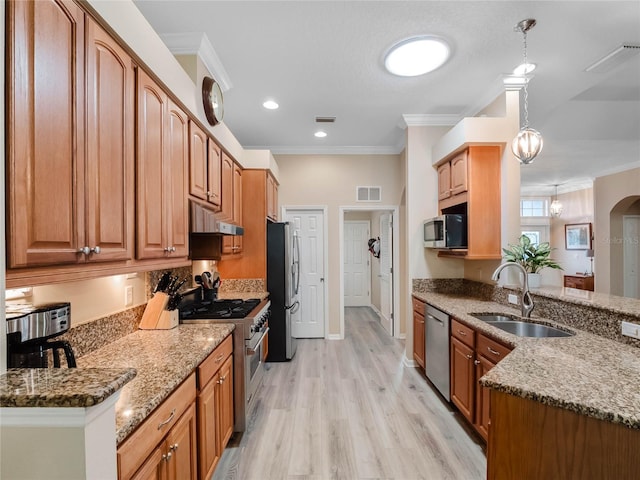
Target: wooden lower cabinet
x: 418, y: 331
x: 215, y: 407
x: 473, y: 354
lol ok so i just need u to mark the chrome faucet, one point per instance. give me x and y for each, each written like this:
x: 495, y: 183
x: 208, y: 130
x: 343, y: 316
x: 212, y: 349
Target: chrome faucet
x: 526, y: 302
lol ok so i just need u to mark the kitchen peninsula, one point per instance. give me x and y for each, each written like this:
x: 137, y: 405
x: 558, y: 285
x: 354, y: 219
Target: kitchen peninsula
x: 586, y: 385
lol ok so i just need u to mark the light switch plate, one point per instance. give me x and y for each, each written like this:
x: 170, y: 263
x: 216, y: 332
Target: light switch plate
x: 631, y: 329
x: 128, y: 296
x: 513, y: 299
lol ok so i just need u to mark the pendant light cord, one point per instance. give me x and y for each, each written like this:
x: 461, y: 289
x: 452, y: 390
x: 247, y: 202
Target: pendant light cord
x: 526, y: 82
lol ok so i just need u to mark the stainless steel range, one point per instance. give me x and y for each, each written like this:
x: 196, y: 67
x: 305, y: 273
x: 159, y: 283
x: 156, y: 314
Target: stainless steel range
x: 251, y: 319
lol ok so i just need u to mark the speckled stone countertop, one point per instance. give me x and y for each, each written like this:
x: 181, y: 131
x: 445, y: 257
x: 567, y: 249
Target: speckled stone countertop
x: 585, y: 373
x: 243, y: 295
x: 162, y: 359
x: 61, y: 387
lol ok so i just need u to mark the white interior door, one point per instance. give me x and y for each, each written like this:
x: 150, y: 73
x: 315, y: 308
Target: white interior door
x: 357, y: 266
x: 386, y: 272
x: 630, y: 233
x: 308, y: 321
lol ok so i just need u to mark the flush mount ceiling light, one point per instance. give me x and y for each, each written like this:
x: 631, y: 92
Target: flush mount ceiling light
x: 417, y: 56
x: 270, y: 105
x: 528, y: 143
x: 556, y: 207
x: 320, y: 134
x: 524, y: 68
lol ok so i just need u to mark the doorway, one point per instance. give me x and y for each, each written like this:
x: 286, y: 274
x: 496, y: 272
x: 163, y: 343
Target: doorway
x: 631, y: 256
x: 357, y: 264
x: 309, y: 223
x: 382, y: 286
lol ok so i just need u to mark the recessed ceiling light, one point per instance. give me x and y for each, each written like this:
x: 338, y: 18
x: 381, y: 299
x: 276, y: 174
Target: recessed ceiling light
x: 524, y: 68
x: 417, y: 56
x: 270, y: 105
x: 320, y: 134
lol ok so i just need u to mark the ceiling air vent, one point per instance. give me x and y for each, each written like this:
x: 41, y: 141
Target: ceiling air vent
x: 325, y: 119
x: 613, y: 58
x: 368, y: 194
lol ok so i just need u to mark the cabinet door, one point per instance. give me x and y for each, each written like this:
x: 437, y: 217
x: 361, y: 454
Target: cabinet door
x: 444, y: 181
x: 459, y: 174
x: 237, y: 205
x: 214, y: 174
x: 175, y: 176
x: 151, y: 214
x: 45, y: 132
x: 181, y: 444
x: 462, y: 378
x: 272, y: 198
x: 418, y: 338
x: 226, y: 402
x: 226, y: 212
x: 197, y: 162
x: 208, y: 429
x: 109, y: 175
x: 483, y: 396
x: 154, y: 468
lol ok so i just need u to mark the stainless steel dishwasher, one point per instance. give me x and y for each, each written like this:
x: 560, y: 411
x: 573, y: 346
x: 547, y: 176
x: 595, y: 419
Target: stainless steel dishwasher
x: 436, y: 349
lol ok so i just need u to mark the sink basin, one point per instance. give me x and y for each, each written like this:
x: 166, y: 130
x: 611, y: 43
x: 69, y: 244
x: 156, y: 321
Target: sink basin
x: 493, y: 317
x: 520, y: 328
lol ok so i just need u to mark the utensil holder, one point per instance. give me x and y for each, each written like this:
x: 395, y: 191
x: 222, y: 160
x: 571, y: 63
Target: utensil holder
x: 153, y: 311
x: 168, y: 319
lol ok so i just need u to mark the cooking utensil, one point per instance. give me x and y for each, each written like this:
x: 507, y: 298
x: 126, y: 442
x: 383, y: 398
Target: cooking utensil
x: 163, y: 283
x: 207, y: 281
x: 216, y: 280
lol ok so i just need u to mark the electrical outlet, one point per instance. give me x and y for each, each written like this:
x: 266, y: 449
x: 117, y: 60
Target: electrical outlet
x: 513, y: 299
x: 128, y: 295
x: 631, y: 329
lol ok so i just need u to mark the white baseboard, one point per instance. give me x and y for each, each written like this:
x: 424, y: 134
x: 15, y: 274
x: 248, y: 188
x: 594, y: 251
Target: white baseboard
x: 402, y: 336
x: 410, y: 363
x: 373, y: 307
x: 334, y: 336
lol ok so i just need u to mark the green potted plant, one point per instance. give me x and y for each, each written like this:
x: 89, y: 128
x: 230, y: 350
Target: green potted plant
x: 532, y: 257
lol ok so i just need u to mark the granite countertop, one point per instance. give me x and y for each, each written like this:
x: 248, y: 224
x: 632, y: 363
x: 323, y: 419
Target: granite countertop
x: 61, y: 387
x: 162, y: 360
x: 242, y: 295
x: 585, y: 373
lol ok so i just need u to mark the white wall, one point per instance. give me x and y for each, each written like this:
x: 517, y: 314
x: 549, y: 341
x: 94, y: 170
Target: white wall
x: 331, y: 181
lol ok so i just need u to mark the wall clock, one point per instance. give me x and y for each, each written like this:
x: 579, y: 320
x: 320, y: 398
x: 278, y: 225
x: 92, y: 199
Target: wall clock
x: 212, y: 100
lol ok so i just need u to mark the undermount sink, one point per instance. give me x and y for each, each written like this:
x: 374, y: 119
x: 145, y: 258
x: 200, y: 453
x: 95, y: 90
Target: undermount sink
x: 521, y: 328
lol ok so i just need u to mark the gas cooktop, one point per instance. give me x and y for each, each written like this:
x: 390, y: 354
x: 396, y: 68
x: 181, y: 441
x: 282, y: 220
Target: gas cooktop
x: 232, y: 308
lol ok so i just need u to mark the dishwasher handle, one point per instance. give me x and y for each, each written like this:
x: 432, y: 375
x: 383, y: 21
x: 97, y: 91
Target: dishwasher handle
x: 431, y: 317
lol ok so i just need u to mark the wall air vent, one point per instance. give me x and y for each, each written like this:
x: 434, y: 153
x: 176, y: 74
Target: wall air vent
x: 613, y: 58
x: 325, y: 119
x: 368, y: 194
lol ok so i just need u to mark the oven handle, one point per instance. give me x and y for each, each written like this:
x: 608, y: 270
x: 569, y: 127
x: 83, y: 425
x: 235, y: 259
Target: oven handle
x: 253, y: 351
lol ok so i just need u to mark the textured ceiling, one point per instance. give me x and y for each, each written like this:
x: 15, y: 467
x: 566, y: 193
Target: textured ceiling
x: 324, y: 58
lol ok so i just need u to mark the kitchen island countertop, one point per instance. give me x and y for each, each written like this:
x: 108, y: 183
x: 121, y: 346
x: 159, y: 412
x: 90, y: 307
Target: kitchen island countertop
x: 585, y: 373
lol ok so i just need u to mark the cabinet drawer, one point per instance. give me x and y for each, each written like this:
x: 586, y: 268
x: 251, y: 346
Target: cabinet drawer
x: 463, y: 333
x: 137, y: 447
x: 214, y: 361
x: 491, y: 349
x: 418, y: 305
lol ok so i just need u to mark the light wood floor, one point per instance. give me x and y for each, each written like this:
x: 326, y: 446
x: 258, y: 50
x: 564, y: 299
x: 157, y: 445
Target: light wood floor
x: 350, y: 410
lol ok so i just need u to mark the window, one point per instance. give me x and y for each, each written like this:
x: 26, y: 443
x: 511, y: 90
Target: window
x: 534, y: 207
x: 534, y: 236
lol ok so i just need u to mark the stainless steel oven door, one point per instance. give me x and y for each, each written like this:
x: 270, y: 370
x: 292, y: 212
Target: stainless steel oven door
x: 254, y: 366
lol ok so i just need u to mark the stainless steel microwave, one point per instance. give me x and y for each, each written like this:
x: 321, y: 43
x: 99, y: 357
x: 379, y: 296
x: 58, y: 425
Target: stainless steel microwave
x: 446, y: 231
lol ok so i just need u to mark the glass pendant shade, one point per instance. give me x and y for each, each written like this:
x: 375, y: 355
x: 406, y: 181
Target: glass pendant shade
x: 527, y: 145
x: 555, y: 208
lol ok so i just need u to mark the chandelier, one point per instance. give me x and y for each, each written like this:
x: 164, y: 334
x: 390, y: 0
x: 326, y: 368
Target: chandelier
x: 556, y: 207
x: 528, y: 143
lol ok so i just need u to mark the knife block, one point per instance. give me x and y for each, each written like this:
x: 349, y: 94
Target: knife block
x: 153, y: 311
x: 168, y: 319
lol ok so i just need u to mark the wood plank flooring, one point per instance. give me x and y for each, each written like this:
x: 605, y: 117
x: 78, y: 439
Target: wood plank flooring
x: 350, y: 410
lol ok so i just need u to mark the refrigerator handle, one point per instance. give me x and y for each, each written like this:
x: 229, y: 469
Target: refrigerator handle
x: 296, y: 260
x: 294, y: 308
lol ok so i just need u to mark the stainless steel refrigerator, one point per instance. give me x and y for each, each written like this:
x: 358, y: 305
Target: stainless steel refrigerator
x: 283, y: 285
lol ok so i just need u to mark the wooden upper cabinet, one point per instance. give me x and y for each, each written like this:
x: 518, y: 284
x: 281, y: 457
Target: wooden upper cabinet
x: 232, y: 244
x: 197, y: 162
x: 226, y: 175
x: 444, y: 181
x: 110, y: 167
x: 459, y: 174
x: 214, y: 174
x: 272, y: 198
x: 70, y: 182
x: 163, y: 150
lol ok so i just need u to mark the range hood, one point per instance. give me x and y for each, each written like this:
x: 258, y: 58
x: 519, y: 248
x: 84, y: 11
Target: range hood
x: 204, y: 220
x: 206, y: 233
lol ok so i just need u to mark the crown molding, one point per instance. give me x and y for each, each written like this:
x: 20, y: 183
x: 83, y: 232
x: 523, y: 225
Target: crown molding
x: 307, y: 150
x: 428, y: 120
x: 550, y: 190
x: 197, y: 43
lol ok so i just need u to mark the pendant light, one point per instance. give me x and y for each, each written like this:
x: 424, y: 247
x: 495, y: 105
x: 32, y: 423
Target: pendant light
x: 528, y: 143
x: 556, y: 207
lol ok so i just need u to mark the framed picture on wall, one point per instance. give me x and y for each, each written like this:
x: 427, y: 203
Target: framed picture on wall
x: 577, y: 236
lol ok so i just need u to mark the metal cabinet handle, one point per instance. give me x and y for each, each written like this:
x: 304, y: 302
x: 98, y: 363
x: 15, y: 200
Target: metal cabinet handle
x: 173, y: 447
x: 222, y: 379
x: 219, y: 358
x: 464, y: 334
x: 469, y: 356
x: 493, y: 351
x: 84, y: 250
x: 95, y: 249
x: 476, y: 362
x: 166, y: 457
x: 162, y: 424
